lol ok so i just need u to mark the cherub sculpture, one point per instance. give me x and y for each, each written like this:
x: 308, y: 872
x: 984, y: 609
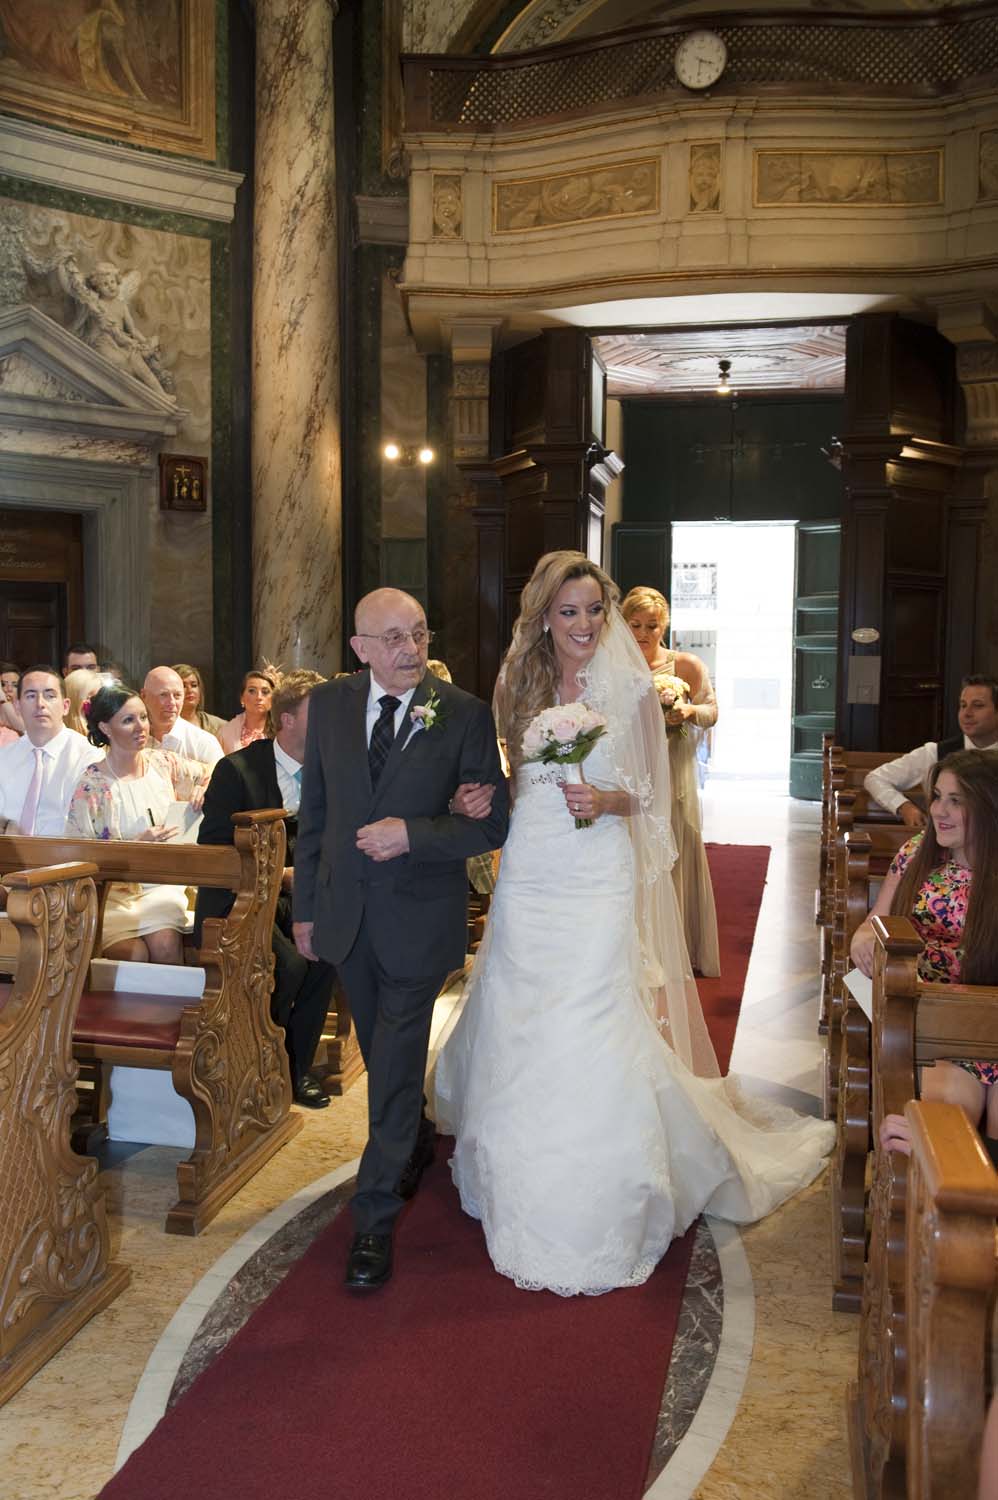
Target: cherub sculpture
x: 105, y: 322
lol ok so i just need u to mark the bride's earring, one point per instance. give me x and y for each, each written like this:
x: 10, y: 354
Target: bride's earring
x: 547, y: 627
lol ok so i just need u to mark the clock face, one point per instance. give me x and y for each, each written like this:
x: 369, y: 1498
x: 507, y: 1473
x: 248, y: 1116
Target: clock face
x: 700, y: 59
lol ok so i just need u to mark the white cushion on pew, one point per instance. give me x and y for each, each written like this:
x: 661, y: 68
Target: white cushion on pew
x: 860, y: 987
x: 144, y: 1104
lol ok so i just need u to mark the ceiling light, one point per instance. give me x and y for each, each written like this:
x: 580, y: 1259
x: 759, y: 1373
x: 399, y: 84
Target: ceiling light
x: 723, y: 385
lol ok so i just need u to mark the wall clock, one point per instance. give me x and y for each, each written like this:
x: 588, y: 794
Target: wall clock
x: 700, y: 58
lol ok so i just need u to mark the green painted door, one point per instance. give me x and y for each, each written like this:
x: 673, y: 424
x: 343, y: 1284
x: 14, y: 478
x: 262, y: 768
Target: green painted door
x: 816, y: 619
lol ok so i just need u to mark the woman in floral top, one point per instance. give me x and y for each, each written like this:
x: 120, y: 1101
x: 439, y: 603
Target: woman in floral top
x: 128, y: 796
x: 946, y: 880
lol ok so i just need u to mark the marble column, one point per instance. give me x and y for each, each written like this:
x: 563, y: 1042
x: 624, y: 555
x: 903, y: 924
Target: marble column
x: 296, y: 427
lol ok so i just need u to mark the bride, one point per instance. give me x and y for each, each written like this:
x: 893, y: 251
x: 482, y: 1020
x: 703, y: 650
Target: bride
x: 592, y: 1124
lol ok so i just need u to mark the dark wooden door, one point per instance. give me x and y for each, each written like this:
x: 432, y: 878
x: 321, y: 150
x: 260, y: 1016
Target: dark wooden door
x: 41, y: 584
x: 33, y: 625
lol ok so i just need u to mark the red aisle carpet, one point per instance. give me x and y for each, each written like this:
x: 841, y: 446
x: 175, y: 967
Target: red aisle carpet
x: 449, y: 1382
x: 738, y: 875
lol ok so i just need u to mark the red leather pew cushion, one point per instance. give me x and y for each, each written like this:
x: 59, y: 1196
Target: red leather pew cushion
x: 117, y: 1018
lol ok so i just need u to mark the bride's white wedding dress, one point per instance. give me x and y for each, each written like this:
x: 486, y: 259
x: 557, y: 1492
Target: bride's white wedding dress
x: 584, y: 1144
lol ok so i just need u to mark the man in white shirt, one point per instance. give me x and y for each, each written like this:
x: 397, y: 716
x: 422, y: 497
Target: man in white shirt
x: 39, y: 774
x: 978, y: 719
x: 163, y: 696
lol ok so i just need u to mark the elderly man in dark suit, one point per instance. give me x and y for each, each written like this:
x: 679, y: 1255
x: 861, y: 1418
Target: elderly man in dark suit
x: 380, y: 883
x: 268, y: 773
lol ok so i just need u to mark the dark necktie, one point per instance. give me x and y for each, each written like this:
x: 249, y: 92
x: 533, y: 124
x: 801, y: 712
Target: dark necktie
x: 381, y: 737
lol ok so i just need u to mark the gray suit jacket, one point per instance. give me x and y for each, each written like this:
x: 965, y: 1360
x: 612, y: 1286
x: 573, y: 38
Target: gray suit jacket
x: 415, y: 906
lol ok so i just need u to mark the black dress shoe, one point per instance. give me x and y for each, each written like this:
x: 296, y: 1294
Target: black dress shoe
x: 418, y: 1162
x: 369, y: 1263
x: 310, y: 1094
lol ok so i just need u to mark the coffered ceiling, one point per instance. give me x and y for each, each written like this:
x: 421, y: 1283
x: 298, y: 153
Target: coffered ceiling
x: 684, y: 361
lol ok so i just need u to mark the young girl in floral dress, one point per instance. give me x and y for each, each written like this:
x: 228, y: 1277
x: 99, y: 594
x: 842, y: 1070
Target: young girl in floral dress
x: 946, y: 880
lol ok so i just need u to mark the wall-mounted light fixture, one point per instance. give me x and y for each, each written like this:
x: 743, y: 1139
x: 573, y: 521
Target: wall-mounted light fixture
x: 407, y: 455
x: 723, y: 384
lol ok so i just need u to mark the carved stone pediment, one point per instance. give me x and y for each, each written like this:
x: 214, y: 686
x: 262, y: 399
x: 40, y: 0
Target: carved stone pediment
x: 51, y: 379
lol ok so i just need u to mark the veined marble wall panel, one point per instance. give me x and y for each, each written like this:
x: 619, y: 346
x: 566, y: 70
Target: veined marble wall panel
x: 429, y: 25
x: 844, y: 229
x: 172, y: 302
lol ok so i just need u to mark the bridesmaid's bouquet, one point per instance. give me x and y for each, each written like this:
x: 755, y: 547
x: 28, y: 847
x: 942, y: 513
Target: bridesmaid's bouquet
x: 671, y: 691
x: 564, y: 736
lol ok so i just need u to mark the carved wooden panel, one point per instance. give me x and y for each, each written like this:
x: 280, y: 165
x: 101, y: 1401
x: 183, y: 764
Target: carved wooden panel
x: 54, y: 1249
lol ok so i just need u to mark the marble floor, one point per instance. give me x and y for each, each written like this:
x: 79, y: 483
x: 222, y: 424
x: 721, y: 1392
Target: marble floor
x: 754, y: 1406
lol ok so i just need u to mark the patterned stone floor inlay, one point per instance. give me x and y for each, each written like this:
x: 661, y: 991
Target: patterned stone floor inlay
x: 260, y: 1275
x: 694, y: 1351
x: 698, y: 1336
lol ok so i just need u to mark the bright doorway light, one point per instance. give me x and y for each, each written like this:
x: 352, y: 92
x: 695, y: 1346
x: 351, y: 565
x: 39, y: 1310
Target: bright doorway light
x: 732, y: 605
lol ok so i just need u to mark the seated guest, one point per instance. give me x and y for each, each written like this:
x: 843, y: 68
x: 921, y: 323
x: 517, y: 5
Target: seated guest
x: 266, y: 774
x: 11, y: 727
x: 194, y: 710
x: 945, y: 879
x: 163, y: 696
x: 81, y: 684
x: 128, y: 796
x: 38, y: 774
x: 79, y: 654
x: 255, y: 722
x: 978, y: 719
x: 10, y: 676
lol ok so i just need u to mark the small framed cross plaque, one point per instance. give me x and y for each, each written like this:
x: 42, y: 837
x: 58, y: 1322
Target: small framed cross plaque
x: 182, y: 482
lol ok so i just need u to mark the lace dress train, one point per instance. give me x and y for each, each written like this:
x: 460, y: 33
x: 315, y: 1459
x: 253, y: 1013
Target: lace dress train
x: 584, y: 1145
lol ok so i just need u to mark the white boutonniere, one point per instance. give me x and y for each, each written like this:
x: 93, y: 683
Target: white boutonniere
x: 427, y: 715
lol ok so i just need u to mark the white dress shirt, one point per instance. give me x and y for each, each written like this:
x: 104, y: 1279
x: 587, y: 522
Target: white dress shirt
x: 374, y: 707
x: 890, y: 783
x: 65, y: 758
x: 195, y: 743
x: 288, y: 779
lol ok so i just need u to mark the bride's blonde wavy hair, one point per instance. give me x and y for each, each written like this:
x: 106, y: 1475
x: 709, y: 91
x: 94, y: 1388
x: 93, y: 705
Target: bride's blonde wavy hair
x: 528, y: 678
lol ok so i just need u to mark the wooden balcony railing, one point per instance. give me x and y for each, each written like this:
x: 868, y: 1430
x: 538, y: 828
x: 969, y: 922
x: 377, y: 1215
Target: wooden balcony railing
x: 877, y: 55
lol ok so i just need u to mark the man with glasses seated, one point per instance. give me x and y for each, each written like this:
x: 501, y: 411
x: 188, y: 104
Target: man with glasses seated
x: 380, y: 888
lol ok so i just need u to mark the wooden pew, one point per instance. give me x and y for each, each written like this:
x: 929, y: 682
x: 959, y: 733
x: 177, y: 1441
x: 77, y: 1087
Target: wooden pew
x: 868, y: 857
x: 224, y: 1053
x: 849, y: 814
x: 843, y: 772
x: 914, y: 1025
x: 55, y: 1267
x: 949, y: 1292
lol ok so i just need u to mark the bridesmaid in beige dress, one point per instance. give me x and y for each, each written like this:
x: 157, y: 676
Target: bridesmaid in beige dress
x: 647, y: 613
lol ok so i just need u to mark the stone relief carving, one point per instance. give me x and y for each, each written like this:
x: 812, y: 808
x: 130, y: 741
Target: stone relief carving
x: 140, y: 297
x: 614, y: 192
x: 471, y: 380
x: 862, y: 178
x: 447, y: 206
x: 705, y: 177
x: 987, y: 178
x: 104, y: 320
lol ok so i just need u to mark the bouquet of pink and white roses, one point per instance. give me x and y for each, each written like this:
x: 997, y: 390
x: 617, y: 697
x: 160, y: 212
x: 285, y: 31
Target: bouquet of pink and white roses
x: 671, y: 692
x: 564, y: 736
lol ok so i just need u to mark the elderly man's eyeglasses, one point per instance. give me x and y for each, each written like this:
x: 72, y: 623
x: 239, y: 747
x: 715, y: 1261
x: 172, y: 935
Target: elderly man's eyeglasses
x: 393, y: 639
